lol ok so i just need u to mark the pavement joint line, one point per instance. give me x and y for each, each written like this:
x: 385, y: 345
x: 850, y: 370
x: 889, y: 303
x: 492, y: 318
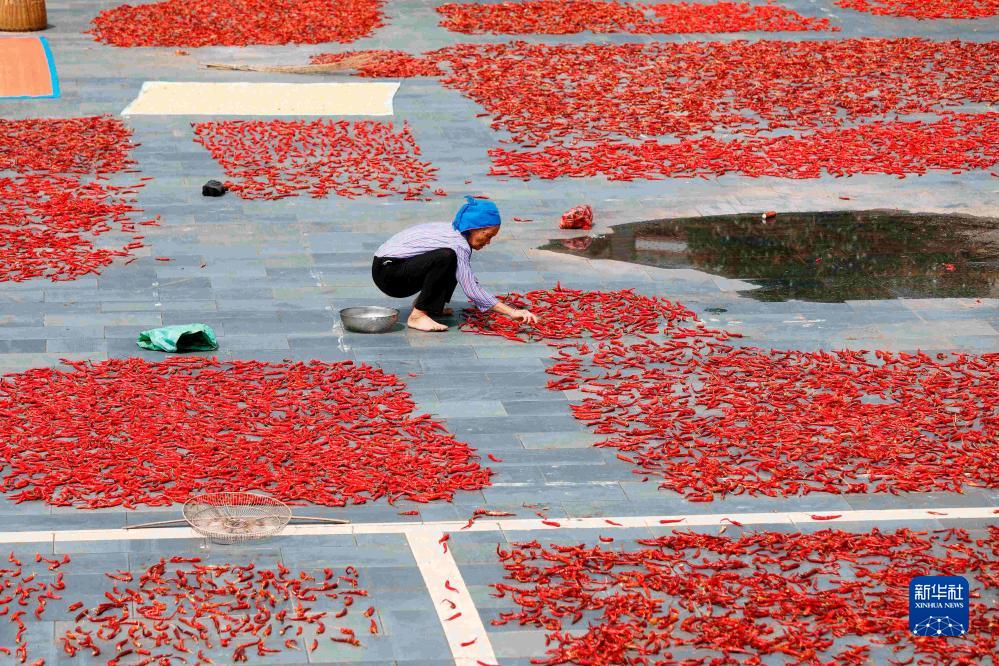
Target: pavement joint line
x: 523, y: 524
x: 439, y: 569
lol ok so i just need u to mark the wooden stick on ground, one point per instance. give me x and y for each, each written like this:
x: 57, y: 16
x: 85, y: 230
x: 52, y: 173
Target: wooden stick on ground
x: 347, y: 64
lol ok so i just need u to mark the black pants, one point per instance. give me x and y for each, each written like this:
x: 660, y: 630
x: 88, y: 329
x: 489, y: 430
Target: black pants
x: 432, y: 274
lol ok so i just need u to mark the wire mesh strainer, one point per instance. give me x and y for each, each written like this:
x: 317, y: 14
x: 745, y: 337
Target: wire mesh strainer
x: 230, y: 518
x: 236, y: 517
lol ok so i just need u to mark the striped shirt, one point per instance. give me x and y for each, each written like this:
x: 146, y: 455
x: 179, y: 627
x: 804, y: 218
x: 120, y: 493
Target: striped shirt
x: 434, y: 236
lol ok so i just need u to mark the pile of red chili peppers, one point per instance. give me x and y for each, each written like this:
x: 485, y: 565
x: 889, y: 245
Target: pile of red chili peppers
x: 53, y: 210
x: 706, y: 417
x: 24, y: 590
x: 924, y: 9
x: 274, y: 159
x: 827, y: 597
x: 125, y: 432
x: 180, y: 607
x: 555, y: 17
x: 237, y: 22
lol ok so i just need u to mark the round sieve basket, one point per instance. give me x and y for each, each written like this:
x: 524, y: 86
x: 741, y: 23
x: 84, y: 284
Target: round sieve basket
x: 230, y: 518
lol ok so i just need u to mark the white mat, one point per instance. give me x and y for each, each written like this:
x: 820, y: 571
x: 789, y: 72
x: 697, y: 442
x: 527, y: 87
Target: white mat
x: 173, y: 98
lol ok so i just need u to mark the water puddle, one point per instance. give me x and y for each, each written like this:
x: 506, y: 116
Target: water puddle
x: 824, y: 257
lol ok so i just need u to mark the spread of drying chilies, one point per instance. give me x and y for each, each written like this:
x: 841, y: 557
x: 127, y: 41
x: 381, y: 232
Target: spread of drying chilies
x: 91, y: 145
x: 125, y: 432
x: 829, y: 597
x: 27, y: 586
x: 558, y: 17
x: 785, y: 107
x: 52, y: 212
x: 573, y: 93
x: 237, y: 22
x: 925, y: 9
x: 957, y: 143
x: 568, y: 94
x: 180, y: 607
x: 48, y: 225
x: 272, y: 159
x: 706, y: 417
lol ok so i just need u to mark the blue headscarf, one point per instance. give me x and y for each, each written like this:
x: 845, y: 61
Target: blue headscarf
x: 476, y: 214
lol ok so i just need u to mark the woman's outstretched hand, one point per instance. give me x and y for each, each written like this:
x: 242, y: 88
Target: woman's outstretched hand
x: 525, y: 316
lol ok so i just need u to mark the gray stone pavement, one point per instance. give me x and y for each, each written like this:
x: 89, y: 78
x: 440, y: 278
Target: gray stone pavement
x: 270, y: 276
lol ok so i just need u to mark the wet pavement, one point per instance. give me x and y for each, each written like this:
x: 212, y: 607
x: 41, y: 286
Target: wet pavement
x: 821, y: 257
x: 269, y: 277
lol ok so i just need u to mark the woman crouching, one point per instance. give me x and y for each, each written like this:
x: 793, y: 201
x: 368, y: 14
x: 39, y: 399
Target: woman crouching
x: 431, y: 259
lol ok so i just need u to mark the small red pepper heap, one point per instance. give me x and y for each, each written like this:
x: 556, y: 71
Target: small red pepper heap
x: 25, y: 589
x: 273, y: 159
x: 925, y: 9
x: 52, y: 212
x: 180, y: 607
x: 125, y: 432
x: 707, y: 417
x: 558, y: 17
x: 237, y: 22
x: 577, y: 217
x: 828, y: 597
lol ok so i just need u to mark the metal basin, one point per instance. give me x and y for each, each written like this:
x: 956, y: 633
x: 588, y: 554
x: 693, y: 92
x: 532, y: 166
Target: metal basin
x: 369, y: 319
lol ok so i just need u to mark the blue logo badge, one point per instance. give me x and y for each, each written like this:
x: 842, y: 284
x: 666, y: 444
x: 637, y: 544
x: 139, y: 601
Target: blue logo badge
x: 938, y: 606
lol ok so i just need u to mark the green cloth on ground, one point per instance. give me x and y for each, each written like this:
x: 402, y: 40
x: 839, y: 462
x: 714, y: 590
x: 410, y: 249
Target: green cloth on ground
x: 180, y: 338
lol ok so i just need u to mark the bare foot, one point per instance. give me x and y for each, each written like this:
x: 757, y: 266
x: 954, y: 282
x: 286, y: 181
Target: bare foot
x: 445, y: 311
x: 421, y: 321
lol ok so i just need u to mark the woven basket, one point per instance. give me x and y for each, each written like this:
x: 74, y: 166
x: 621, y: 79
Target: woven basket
x: 23, y: 15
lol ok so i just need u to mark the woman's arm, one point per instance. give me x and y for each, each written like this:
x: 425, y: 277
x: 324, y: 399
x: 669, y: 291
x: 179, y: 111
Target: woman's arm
x: 525, y: 316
